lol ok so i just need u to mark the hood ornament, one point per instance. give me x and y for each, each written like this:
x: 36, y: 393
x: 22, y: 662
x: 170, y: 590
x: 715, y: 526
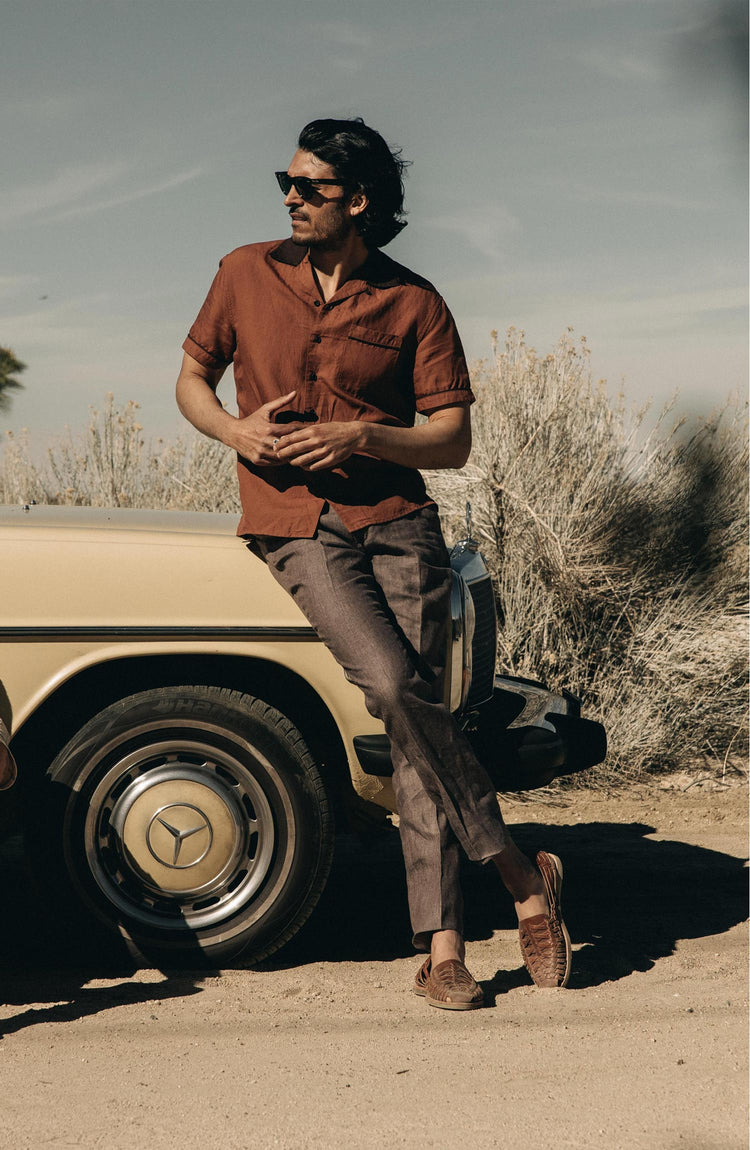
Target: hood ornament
x: 467, y: 543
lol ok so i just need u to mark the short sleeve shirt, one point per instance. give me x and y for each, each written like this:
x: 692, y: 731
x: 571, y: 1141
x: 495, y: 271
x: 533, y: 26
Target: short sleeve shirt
x: 383, y: 348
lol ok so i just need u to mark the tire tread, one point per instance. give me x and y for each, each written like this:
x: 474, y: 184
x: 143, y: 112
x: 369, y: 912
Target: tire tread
x: 276, y: 725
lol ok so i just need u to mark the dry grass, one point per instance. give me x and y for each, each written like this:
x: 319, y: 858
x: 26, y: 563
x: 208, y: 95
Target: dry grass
x: 110, y: 464
x: 619, y: 556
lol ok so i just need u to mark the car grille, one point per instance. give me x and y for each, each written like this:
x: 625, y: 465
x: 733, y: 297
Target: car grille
x: 484, y: 644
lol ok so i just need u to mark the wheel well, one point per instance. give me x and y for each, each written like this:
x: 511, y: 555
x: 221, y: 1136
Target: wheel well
x: 94, y: 688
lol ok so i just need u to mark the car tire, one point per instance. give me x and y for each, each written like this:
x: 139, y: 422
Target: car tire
x: 192, y: 821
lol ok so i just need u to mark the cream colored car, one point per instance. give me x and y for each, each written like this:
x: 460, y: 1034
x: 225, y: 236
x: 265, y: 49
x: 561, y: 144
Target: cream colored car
x: 183, y: 739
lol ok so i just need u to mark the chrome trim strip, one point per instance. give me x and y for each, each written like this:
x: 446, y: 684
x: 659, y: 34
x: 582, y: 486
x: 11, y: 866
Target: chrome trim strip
x: 305, y: 634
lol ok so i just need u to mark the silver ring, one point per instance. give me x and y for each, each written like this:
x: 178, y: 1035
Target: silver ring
x: 274, y: 442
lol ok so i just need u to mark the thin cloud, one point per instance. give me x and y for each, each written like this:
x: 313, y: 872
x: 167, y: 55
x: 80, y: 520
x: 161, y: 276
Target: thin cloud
x: 623, y: 313
x: 623, y: 67
x: 9, y: 285
x: 66, y: 185
x: 485, y: 227
x: 599, y: 193
x: 350, y: 46
x: 126, y: 198
x: 43, y: 111
x: 67, y: 195
x: 679, y: 309
x: 59, y: 329
x: 346, y: 34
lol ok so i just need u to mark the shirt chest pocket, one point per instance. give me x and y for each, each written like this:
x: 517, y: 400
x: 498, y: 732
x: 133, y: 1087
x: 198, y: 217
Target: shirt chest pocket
x: 367, y: 364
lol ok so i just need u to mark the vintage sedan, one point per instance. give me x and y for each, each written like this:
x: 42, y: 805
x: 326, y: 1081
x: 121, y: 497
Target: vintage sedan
x: 184, y: 741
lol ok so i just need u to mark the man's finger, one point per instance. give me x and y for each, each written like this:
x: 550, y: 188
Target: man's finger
x: 283, y: 431
x: 275, y: 404
x: 307, y: 458
x: 324, y: 464
x: 287, y: 446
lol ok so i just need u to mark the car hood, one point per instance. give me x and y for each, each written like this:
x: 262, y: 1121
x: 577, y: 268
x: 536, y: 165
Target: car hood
x: 40, y: 517
x: 97, y: 567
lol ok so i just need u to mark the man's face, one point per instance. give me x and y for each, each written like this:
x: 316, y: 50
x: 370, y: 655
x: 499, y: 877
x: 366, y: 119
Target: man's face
x: 326, y: 221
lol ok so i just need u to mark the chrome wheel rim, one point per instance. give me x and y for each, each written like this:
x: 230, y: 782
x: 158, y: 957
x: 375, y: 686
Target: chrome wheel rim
x: 180, y: 835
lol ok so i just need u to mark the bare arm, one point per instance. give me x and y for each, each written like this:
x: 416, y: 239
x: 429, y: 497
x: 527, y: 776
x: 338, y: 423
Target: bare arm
x: 251, y: 437
x: 444, y: 441
x: 198, y: 401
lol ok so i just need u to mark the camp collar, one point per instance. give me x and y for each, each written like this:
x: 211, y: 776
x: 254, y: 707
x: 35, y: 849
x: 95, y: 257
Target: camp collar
x: 377, y: 270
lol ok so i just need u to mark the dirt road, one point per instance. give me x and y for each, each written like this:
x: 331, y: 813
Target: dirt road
x: 326, y: 1048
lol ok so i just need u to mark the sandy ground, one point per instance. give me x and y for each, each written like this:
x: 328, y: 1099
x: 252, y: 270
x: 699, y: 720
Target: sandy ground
x: 326, y: 1047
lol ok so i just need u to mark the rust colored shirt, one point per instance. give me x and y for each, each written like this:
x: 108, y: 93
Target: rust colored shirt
x: 383, y: 348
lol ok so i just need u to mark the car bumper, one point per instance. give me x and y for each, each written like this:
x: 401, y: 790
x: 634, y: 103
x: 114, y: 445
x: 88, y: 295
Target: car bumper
x: 525, y: 736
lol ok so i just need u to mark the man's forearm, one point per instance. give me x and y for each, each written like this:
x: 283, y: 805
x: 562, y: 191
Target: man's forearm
x: 253, y: 436
x: 443, y: 442
x: 437, y: 444
x: 201, y: 406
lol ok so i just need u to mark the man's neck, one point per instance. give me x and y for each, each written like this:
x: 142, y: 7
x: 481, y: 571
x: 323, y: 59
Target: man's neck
x: 335, y: 266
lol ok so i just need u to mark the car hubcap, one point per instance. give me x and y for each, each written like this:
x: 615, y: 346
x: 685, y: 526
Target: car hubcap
x: 179, y: 840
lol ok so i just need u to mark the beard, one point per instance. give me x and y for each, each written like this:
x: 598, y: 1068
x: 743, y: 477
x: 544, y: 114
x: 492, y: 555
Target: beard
x: 324, y: 235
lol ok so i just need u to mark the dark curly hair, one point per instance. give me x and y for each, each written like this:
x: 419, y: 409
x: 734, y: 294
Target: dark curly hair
x: 361, y: 158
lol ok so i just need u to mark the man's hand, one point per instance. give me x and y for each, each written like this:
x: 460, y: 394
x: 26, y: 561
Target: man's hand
x: 256, y: 436
x: 443, y: 441
x: 252, y: 437
x: 319, y: 446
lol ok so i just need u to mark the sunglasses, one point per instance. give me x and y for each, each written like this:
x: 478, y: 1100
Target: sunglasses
x: 306, y: 187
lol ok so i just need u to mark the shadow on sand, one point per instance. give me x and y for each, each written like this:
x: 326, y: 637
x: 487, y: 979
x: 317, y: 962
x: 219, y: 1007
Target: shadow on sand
x: 45, y: 965
x: 628, y: 901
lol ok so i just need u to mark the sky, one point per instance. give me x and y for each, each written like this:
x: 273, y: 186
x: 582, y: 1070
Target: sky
x: 574, y: 164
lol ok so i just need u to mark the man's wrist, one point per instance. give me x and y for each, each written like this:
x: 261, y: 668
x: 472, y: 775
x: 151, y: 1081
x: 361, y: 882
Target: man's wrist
x: 225, y: 429
x: 364, y: 438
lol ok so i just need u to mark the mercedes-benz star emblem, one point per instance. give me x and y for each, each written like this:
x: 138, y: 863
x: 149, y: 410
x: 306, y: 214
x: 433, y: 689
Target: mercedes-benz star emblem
x: 179, y: 836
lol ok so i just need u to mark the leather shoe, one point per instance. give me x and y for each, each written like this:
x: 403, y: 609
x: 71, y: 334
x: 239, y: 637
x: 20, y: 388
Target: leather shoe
x: 449, y: 985
x: 545, y: 943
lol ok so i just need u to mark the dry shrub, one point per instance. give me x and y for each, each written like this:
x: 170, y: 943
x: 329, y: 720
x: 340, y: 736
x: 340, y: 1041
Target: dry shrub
x: 111, y: 465
x: 21, y: 481
x: 620, y: 556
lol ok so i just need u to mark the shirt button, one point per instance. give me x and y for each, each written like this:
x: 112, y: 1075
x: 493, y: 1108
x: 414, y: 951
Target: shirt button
x: 312, y: 377
x: 316, y: 337
x: 316, y: 302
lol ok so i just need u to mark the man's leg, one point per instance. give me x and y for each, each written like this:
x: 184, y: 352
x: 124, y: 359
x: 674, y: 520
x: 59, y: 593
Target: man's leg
x: 445, y: 794
x: 411, y: 565
x: 331, y: 579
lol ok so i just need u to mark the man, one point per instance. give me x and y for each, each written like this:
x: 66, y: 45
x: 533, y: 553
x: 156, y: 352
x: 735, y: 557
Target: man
x: 335, y: 348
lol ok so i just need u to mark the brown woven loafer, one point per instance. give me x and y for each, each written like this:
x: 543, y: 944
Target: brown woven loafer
x: 448, y: 985
x: 545, y: 943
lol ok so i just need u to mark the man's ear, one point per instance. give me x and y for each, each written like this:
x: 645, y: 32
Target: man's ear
x: 358, y: 202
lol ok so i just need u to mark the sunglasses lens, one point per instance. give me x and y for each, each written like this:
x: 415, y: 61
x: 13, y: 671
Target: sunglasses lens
x: 303, y: 184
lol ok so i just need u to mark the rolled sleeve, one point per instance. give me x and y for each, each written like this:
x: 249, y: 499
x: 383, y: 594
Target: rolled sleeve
x: 441, y: 377
x: 212, y: 339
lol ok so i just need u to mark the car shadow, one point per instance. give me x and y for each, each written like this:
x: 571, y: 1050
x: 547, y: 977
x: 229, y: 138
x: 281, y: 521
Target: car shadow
x: 44, y: 970
x: 50, y: 996
x: 628, y: 900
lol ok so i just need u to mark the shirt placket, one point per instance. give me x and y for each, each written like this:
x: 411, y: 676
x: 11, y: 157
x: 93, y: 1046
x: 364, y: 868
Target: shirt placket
x: 312, y: 367
x: 315, y: 362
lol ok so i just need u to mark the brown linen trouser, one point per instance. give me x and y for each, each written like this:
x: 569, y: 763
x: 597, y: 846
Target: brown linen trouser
x: 379, y: 598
